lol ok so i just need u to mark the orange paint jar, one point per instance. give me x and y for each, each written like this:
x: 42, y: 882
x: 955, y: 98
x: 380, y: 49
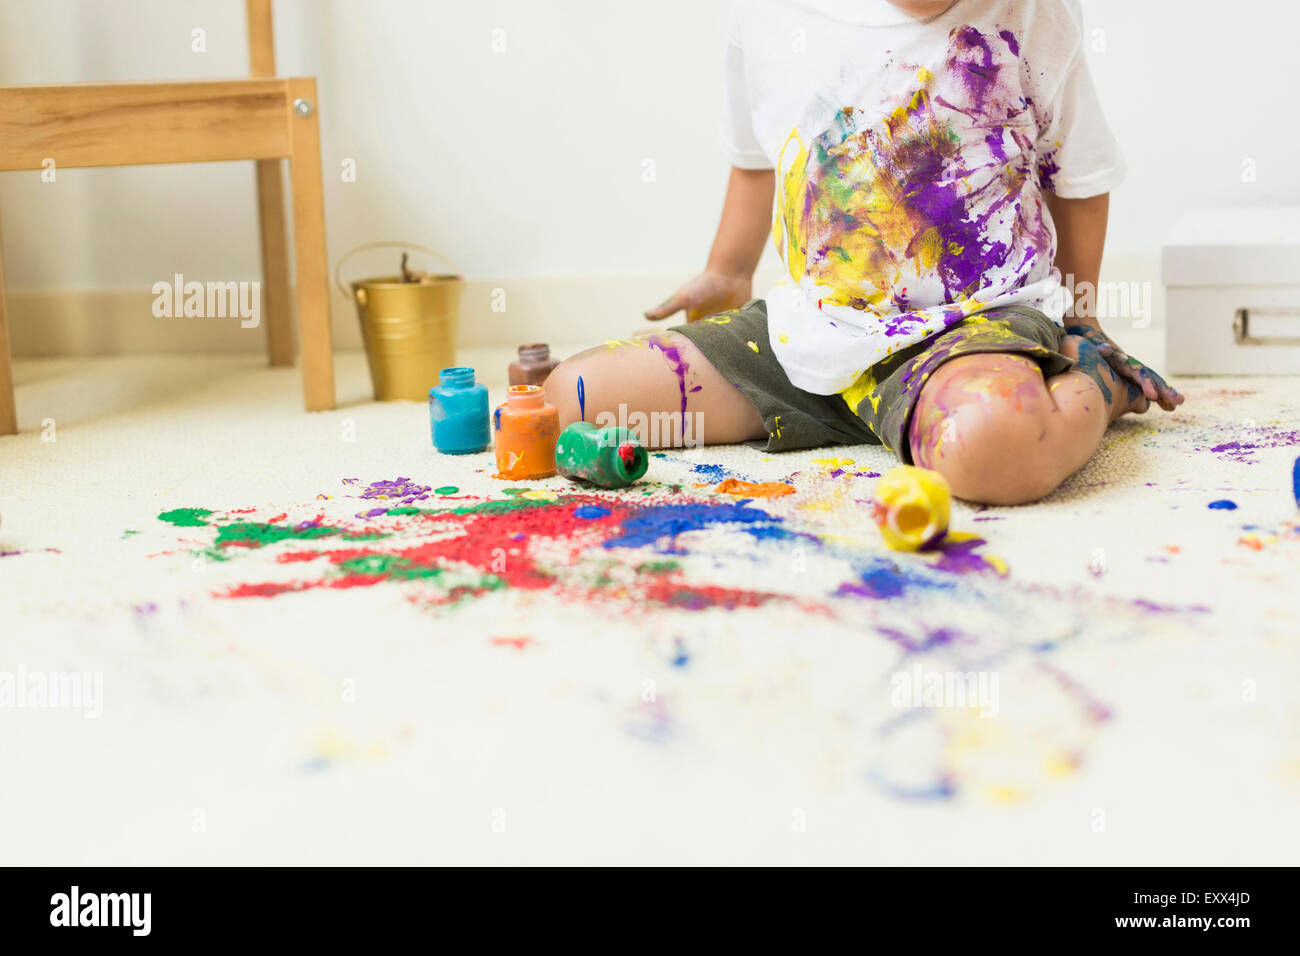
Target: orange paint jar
x: 526, y: 429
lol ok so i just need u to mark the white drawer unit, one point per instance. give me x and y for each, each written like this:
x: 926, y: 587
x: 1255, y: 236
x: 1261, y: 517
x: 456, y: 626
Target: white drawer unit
x: 1232, y: 291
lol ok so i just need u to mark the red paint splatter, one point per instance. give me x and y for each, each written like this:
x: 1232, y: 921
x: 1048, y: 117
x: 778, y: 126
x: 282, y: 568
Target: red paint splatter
x: 516, y: 642
x: 522, y: 547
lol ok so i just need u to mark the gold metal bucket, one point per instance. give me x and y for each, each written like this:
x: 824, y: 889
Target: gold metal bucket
x: 409, y: 328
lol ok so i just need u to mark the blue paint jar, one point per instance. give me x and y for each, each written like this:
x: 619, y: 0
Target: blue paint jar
x: 458, y: 413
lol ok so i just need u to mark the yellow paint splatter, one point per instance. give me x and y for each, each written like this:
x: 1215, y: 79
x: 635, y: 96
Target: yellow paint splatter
x: 1004, y: 794
x: 614, y: 344
x: 864, y: 387
x: 753, y: 346
x: 833, y: 464
x: 1061, y: 764
x: 1129, y: 437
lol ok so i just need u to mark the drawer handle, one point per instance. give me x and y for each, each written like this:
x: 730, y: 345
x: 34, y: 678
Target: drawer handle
x: 1241, y: 328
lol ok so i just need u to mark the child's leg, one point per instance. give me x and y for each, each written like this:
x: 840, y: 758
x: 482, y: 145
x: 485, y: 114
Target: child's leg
x: 663, y: 377
x: 1003, y: 435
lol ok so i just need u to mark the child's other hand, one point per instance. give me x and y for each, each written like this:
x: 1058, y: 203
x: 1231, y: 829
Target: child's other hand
x: 1155, y: 388
x: 707, y: 294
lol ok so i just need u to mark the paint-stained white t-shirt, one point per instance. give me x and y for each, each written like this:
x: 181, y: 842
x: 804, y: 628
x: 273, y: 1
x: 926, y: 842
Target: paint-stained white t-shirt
x: 911, y: 158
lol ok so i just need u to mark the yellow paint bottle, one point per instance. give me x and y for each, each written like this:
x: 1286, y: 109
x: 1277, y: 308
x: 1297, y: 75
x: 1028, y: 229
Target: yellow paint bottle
x: 912, y: 507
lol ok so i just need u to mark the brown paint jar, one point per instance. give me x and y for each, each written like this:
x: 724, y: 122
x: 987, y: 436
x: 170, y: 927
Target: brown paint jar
x: 535, y: 363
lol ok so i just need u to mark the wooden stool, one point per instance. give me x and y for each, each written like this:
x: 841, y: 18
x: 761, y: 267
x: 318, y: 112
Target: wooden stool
x: 265, y: 118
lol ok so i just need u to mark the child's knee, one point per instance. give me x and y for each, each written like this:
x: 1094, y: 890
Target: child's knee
x: 988, y: 430
x: 1001, y: 458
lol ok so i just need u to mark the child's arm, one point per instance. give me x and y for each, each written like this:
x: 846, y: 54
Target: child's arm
x: 727, y: 279
x: 1080, y: 238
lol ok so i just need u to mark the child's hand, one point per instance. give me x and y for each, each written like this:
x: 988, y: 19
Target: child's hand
x: 707, y: 294
x: 1155, y: 388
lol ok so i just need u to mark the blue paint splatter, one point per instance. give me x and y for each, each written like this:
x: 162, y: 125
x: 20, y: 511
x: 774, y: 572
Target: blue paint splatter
x: 713, y: 473
x: 582, y: 399
x: 681, y: 658
x: 590, y: 512
x: 1090, y: 364
x: 496, y: 418
x: 659, y: 526
x: 883, y: 579
x: 1295, y: 482
x: 1223, y: 504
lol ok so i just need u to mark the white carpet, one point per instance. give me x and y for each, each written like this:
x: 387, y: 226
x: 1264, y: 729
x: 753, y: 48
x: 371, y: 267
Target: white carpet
x: 522, y: 683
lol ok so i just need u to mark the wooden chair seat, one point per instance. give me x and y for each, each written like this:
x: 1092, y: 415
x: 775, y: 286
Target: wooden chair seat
x: 265, y: 118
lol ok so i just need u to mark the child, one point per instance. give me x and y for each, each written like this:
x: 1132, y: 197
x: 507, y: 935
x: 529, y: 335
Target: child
x: 937, y: 168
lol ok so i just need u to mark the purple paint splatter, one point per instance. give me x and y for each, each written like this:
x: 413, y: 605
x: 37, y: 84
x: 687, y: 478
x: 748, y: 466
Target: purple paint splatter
x: 679, y: 366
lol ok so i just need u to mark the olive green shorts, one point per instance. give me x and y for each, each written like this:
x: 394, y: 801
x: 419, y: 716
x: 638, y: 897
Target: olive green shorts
x: 877, y: 408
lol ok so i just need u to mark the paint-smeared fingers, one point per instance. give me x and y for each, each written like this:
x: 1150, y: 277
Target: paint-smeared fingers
x: 1170, y: 398
x: 674, y: 303
x: 1137, y: 373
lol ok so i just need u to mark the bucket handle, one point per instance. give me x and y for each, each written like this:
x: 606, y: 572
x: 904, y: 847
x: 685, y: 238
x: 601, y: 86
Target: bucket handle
x: 383, y: 244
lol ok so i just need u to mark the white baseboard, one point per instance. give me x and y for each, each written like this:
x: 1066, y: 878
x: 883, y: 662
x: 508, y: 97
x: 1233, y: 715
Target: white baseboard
x: 538, y: 309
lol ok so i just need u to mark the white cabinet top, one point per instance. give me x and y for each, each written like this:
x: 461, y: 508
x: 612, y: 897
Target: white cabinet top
x: 1234, y: 245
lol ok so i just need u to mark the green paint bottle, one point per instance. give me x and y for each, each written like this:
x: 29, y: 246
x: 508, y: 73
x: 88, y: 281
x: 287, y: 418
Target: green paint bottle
x: 609, y: 457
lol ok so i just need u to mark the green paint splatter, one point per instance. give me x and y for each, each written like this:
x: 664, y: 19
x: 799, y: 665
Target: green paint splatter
x: 186, y: 517
x: 129, y: 532
x: 259, y: 535
x: 446, y: 490
x: 658, y: 567
x: 389, y: 566
x: 498, y: 506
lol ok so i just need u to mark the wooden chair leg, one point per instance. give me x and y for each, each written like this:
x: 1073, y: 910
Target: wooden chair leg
x: 276, y: 302
x: 315, y: 333
x: 8, y: 410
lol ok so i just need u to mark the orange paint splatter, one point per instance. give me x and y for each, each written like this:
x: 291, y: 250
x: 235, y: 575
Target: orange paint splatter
x: 751, y: 489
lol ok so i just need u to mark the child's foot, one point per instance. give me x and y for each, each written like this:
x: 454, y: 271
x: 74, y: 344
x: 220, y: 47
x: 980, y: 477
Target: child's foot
x: 1121, y: 395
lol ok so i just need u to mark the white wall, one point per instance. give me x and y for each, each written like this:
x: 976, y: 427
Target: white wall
x: 529, y: 162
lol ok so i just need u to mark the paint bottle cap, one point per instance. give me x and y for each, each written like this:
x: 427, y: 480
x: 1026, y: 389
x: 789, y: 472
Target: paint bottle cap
x: 631, y: 460
x: 534, y: 354
x: 458, y: 377
x: 525, y: 396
